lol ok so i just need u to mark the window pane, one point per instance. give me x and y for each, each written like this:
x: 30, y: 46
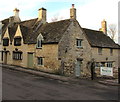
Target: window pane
x: 39, y: 43
x: 17, y: 41
x: 21, y: 56
x: 2, y: 56
x: 5, y: 42
x: 79, y: 42
x: 109, y: 64
x: 40, y: 61
x: 17, y: 55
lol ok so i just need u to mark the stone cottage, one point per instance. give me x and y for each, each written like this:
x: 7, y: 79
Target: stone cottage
x: 62, y: 47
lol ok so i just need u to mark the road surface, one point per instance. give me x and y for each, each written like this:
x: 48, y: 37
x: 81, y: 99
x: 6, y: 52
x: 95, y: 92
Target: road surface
x: 18, y: 85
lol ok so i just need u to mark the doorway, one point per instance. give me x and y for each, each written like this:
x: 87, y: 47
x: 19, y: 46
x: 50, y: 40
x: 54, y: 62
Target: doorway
x: 5, y: 58
x: 30, y: 60
x: 78, y: 68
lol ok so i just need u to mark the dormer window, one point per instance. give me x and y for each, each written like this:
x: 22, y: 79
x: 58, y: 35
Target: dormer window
x: 5, y: 42
x: 17, y: 41
x: 39, y: 41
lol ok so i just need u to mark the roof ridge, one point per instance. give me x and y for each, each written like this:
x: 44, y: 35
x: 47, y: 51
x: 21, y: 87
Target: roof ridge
x: 92, y: 29
x: 58, y: 21
x: 104, y: 40
x: 28, y: 20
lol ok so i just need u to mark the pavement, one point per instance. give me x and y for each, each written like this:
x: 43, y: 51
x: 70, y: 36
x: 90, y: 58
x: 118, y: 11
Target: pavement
x: 113, y: 82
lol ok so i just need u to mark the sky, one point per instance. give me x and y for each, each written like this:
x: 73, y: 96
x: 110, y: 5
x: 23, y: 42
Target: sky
x: 90, y: 13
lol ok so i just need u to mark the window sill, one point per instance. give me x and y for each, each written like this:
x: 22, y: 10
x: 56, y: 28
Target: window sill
x: 17, y: 59
x: 41, y: 65
x: 79, y: 47
x: 5, y: 45
x: 38, y: 47
x: 17, y: 45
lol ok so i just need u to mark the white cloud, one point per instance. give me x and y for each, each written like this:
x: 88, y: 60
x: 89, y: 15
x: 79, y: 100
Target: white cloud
x: 24, y: 6
x: 90, y: 13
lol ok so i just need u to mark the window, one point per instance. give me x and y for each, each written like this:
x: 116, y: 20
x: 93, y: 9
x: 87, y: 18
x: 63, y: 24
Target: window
x: 97, y: 64
x: 79, y: 43
x: 40, y: 60
x: 111, y: 52
x: 6, y: 42
x: 1, y: 55
x: 17, y: 55
x: 17, y: 41
x: 39, y: 43
x: 102, y: 64
x: 109, y: 64
x: 100, y: 51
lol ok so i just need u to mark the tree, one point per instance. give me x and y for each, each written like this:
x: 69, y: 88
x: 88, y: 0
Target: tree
x: 56, y: 18
x: 112, y: 31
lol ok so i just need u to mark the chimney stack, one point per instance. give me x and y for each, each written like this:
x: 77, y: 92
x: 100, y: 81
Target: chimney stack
x: 104, y: 27
x: 42, y: 15
x: 16, y: 12
x: 73, y: 12
x: 16, y: 15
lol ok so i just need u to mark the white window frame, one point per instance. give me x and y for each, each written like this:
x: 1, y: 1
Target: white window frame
x: 109, y: 64
x: 17, y: 56
x: 39, y: 41
x: 40, y: 61
x: 79, y: 43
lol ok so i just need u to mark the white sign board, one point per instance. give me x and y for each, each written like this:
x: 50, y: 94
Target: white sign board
x: 106, y: 71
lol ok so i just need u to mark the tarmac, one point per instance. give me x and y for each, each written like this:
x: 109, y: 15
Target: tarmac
x: 113, y: 82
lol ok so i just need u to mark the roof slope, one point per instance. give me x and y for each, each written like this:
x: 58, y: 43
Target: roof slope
x: 26, y: 32
x: 51, y: 32
x: 25, y: 26
x: 99, y: 39
x: 29, y: 23
x: 5, y: 23
x: 12, y: 31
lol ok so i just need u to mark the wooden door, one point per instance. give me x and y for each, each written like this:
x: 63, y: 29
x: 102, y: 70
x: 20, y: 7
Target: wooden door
x: 5, y: 58
x: 77, y: 69
x: 30, y: 60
